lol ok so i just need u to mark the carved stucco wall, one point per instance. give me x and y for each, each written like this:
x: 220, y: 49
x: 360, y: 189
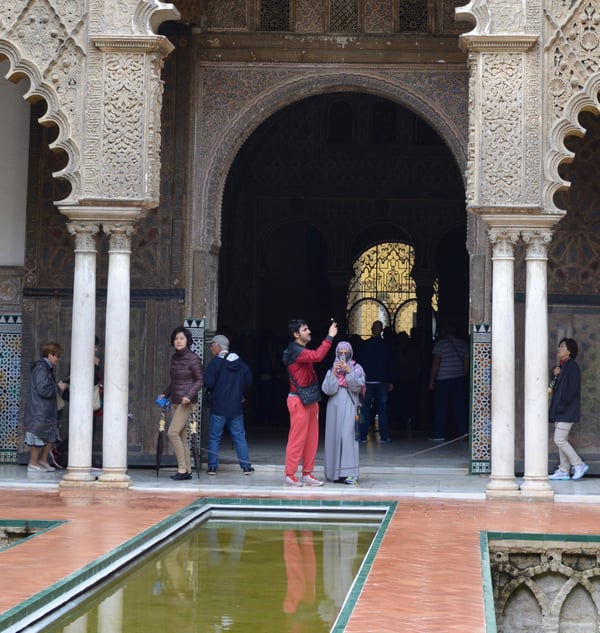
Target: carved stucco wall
x: 572, y: 59
x: 97, y: 65
x: 233, y: 100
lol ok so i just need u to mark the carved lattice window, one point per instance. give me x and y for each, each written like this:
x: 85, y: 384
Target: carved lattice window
x: 275, y: 15
x: 343, y: 16
x: 412, y: 16
x: 382, y: 289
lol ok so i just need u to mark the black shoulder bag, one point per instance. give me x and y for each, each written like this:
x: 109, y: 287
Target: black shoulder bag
x: 309, y: 394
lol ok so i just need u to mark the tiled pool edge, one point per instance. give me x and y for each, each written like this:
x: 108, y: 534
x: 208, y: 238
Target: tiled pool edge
x: 488, y: 588
x: 359, y: 581
x: 52, y: 598
x: 43, y: 526
x: 30, y: 610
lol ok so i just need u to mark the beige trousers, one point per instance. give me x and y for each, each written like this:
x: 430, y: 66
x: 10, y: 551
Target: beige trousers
x: 567, y: 454
x: 177, y: 435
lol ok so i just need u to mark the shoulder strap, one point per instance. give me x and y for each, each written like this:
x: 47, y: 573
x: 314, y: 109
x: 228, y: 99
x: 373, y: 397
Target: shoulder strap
x: 296, y: 384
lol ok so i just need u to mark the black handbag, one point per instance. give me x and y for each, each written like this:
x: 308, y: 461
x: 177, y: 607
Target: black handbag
x: 309, y: 394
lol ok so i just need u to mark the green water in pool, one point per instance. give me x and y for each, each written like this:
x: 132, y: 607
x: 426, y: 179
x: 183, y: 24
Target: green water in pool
x: 231, y: 576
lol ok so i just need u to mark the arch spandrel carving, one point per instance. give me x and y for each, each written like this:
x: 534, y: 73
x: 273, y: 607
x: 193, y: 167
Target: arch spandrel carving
x: 47, y: 43
x: 223, y: 130
x: 573, y: 59
x: 499, y: 17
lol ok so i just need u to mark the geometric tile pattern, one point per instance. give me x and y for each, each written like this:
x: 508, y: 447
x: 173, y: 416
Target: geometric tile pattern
x: 481, y: 398
x: 196, y: 328
x: 11, y: 336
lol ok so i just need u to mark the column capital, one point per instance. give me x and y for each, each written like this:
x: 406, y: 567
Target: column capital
x: 119, y: 234
x: 84, y: 234
x: 503, y: 241
x: 537, y: 241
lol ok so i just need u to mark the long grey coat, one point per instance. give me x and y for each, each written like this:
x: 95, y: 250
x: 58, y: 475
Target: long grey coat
x: 40, y: 415
x: 341, y: 445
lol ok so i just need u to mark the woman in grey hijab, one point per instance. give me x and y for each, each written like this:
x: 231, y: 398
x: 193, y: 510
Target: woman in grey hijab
x: 345, y: 385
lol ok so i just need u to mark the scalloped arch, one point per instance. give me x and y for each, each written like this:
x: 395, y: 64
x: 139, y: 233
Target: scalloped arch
x: 150, y: 14
x: 568, y: 125
x: 298, y: 89
x: 38, y: 89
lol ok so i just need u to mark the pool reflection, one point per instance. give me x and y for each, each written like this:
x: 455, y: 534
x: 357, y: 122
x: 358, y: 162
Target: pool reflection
x: 223, y: 576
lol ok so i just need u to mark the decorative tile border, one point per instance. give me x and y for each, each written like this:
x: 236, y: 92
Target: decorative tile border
x: 11, y: 340
x: 481, y: 398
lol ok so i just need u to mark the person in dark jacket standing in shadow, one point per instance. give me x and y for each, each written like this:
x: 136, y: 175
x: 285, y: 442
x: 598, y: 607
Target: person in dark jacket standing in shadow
x: 565, y: 410
x: 41, y: 412
x: 376, y: 357
x: 227, y: 377
x: 187, y: 378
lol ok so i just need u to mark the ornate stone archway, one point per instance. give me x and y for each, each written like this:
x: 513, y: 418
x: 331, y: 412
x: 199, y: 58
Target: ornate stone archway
x: 234, y: 101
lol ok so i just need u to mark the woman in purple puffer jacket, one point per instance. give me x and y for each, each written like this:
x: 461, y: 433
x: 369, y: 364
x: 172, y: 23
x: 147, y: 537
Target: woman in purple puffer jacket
x: 187, y: 378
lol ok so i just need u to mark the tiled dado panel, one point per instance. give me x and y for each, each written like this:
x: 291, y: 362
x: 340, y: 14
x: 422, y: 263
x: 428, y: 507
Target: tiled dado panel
x: 481, y: 398
x: 11, y: 337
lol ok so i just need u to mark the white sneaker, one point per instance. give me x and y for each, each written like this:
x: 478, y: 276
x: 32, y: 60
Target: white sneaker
x: 559, y: 475
x: 580, y: 470
x: 292, y: 480
x: 309, y: 480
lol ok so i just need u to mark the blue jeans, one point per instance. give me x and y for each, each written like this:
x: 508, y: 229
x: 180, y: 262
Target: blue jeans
x: 452, y: 391
x: 235, y: 427
x: 377, y: 391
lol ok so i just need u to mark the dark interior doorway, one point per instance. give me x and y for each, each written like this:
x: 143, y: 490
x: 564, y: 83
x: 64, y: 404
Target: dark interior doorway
x: 314, y: 186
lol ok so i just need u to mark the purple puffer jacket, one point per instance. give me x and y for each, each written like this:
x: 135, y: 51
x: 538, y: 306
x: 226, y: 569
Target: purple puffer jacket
x: 187, y: 376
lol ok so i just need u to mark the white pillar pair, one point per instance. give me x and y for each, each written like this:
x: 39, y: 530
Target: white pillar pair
x: 116, y: 367
x: 535, y: 358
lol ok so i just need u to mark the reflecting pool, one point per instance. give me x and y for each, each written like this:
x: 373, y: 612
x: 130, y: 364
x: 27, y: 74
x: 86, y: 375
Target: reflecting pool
x: 221, y: 575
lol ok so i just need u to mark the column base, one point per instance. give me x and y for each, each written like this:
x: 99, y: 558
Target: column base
x: 537, y: 487
x: 502, y: 487
x: 77, y: 478
x: 114, y: 478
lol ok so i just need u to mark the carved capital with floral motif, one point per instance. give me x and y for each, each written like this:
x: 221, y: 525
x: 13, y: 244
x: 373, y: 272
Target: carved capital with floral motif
x: 119, y: 234
x: 537, y: 241
x: 84, y: 234
x: 503, y: 241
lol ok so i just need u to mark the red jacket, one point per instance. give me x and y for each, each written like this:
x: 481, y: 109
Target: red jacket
x: 299, y: 361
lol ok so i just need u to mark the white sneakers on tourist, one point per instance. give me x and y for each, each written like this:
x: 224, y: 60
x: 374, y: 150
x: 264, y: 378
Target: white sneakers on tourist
x: 559, y: 475
x: 292, y: 480
x: 580, y: 470
x: 309, y: 480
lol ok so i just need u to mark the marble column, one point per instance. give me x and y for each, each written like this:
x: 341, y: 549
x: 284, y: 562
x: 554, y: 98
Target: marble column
x: 82, y: 355
x: 116, y: 366
x: 535, y: 481
x: 502, y: 478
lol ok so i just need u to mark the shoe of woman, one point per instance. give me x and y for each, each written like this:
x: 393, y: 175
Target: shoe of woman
x: 181, y: 476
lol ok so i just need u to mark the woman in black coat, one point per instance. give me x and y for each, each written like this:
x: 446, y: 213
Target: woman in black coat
x: 41, y: 412
x: 565, y: 410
